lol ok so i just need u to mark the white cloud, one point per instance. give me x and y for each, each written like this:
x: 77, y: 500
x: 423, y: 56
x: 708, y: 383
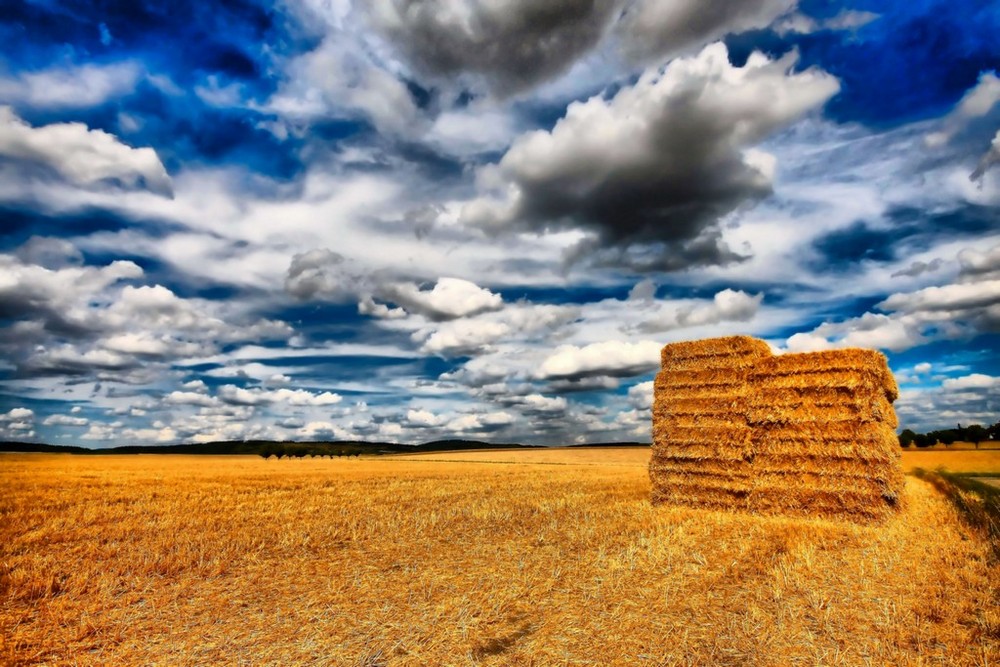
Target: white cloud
x: 257, y: 396
x: 640, y: 396
x: 464, y: 424
x: 464, y: 337
x: 973, y: 381
x: 17, y: 423
x: 951, y: 311
x: 957, y: 296
x: 474, y: 335
x: 64, y: 420
x: 450, y: 298
x: 847, y: 19
x: 78, y: 319
x: 610, y: 358
x: 158, y: 435
x: 537, y: 403
x: 101, y: 432
x: 422, y: 418
x: 82, y: 156
x: 976, y: 103
x: 340, y: 78
x: 190, y: 398
x: 72, y: 87
x: 726, y: 306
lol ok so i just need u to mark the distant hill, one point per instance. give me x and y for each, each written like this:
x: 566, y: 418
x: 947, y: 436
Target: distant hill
x: 266, y: 448
x: 281, y: 448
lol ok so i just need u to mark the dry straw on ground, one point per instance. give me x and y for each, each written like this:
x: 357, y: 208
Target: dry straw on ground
x: 548, y: 558
x: 735, y: 427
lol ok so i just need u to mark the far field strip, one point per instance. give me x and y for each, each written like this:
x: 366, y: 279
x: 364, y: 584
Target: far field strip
x: 985, y: 461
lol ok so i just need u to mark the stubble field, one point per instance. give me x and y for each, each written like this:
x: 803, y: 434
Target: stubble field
x: 492, y: 558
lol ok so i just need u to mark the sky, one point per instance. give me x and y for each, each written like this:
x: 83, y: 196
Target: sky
x: 405, y: 220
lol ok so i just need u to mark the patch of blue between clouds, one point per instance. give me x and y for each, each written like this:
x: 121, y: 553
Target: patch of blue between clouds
x: 952, y: 358
x: 914, y: 62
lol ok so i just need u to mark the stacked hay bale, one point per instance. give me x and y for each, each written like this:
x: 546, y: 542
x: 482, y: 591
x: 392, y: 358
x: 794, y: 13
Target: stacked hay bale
x: 701, y: 440
x: 807, y: 434
x: 824, y: 435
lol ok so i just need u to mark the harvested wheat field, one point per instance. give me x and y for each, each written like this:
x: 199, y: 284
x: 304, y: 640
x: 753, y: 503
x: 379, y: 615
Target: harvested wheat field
x: 421, y: 561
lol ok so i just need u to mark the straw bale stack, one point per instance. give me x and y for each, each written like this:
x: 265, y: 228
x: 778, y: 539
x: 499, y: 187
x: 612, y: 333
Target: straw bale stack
x: 735, y: 427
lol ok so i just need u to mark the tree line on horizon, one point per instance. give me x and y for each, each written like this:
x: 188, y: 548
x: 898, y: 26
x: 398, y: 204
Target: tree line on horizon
x: 974, y: 433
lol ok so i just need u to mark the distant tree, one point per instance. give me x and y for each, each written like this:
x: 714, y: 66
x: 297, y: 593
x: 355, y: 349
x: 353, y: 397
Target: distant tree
x: 946, y: 437
x: 906, y: 438
x: 975, y: 434
x: 993, y: 432
x: 923, y: 440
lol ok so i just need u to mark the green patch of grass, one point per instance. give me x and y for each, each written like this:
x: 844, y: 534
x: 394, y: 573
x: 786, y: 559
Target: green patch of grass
x: 978, y: 502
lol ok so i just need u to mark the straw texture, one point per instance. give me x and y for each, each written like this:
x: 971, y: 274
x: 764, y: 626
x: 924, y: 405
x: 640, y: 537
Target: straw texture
x: 805, y: 434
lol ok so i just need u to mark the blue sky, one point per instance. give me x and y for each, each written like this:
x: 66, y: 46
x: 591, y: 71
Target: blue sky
x: 415, y: 220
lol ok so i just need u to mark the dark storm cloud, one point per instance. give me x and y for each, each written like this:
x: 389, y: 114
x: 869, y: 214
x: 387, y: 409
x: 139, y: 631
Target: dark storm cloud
x: 659, y: 163
x: 653, y: 28
x: 513, y: 44
x: 516, y: 44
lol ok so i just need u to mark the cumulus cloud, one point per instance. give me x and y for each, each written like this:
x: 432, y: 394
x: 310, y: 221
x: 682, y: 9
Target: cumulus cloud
x: 535, y: 404
x: 726, y: 306
x: 421, y: 419
x: 474, y: 335
x: 961, y: 309
x: 609, y: 358
x: 959, y: 296
x: 235, y: 395
x: 80, y: 320
x: 973, y: 381
x: 324, y: 274
x: 321, y: 273
x: 190, y: 398
x: 17, y: 423
x: 16, y: 415
x: 450, y: 298
x: 65, y: 420
x: 640, y: 396
x: 80, y: 155
x: 659, y: 163
x: 969, y: 399
x: 490, y: 421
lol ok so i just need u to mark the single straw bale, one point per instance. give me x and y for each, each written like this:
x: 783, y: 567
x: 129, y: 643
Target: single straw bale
x: 699, y: 419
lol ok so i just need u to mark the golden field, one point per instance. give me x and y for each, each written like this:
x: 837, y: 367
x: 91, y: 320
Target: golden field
x: 551, y: 557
